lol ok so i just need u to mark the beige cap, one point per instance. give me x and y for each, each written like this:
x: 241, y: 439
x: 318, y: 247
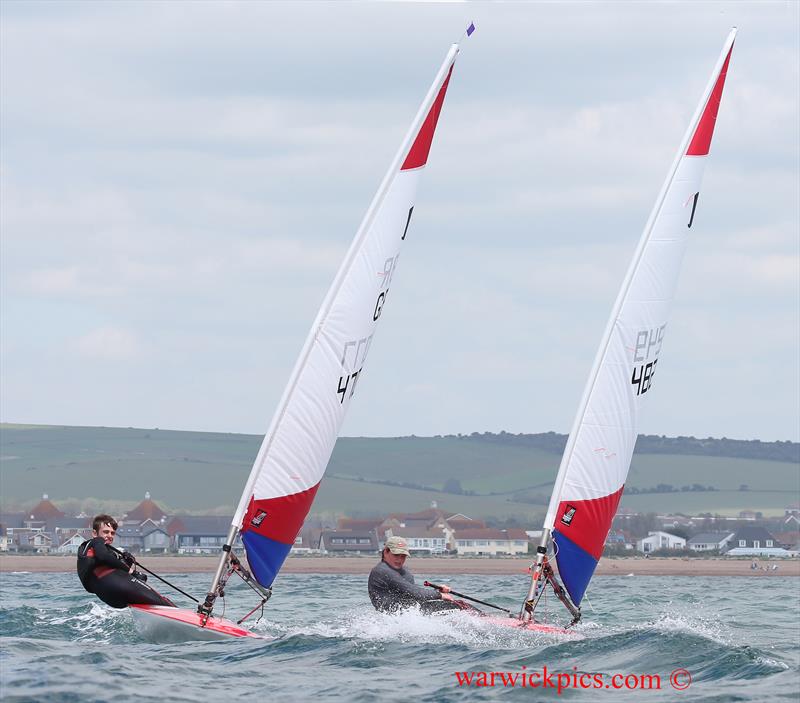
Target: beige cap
x: 397, y: 545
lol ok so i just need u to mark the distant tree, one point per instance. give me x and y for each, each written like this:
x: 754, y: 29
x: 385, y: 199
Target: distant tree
x: 453, y: 485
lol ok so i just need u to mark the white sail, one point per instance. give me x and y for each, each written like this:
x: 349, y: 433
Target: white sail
x: 300, y: 439
x: 597, y: 457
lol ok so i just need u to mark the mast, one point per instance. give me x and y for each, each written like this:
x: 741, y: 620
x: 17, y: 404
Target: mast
x: 701, y: 129
x: 409, y: 159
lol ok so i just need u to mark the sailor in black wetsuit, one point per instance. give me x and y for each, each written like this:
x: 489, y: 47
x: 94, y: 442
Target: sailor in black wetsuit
x: 391, y: 586
x: 108, y: 575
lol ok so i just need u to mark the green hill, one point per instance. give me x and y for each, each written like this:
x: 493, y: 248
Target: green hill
x: 498, y: 475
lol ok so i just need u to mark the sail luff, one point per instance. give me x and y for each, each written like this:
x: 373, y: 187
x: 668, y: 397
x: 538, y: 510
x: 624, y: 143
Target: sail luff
x: 555, y: 498
x: 340, y: 275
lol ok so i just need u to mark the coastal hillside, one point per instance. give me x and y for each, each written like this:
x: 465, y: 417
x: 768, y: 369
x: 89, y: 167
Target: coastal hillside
x: 498, y: 475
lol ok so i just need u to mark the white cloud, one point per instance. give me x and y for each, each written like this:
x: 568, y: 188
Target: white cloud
x: 110, y: 344
x: 185, y: 185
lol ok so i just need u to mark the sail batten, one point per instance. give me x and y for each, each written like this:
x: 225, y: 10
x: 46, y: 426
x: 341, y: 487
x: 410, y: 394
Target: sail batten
x: 298, y: 444
x: 591, y: 479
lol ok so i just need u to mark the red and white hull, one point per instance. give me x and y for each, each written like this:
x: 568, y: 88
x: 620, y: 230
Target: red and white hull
x: 160, y: 623
x: 518, y: 624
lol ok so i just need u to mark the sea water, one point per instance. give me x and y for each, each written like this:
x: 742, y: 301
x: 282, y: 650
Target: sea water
x: 728, y: 639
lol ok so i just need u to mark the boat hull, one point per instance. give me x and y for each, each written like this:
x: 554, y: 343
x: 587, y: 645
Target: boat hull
x: 517, y: 624
x: 159, y: 623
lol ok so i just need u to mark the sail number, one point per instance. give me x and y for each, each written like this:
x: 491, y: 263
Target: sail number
x: 648, y: 344
x: 344, y: 382
x: 643, y: 376
x: 389, y: 267
x: 354, y: 354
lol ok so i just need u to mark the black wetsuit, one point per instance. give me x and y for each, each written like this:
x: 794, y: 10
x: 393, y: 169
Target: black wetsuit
x: 394, y: 589
x: 103, y: 572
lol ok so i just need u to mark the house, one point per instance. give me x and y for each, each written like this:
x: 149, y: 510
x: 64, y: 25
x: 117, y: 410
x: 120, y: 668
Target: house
x: 307, y: 540
x: 44, y: 510
x: 792, y: 520
x: 620, y: 538
x: 146, y: 510
x: 200, y: 534
x: 431, y: 519
x: 129, y: 538
x: 491, y: 541
x: 12, y: 519
x: 788, y: 540
x: 347, y: 523
x: 348, y: 542
x: 72, y: 539
x: 155, y: 538
x: 5, y: 540
x: 462, y: 522
x: 420, y: 540
x: 709, y: 541
x: 659, y: 540
x: 755, y: 541
x: 27, y: 539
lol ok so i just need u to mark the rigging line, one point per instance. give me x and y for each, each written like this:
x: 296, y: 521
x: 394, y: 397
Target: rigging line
x: 171, y: 585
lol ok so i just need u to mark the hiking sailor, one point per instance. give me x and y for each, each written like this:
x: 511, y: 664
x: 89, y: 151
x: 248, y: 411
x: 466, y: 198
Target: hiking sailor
x: 391, y: 586
x: 109, y: 574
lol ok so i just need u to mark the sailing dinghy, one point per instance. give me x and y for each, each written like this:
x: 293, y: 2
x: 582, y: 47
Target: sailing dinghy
x: 595, y: 464
x: 300, y: 439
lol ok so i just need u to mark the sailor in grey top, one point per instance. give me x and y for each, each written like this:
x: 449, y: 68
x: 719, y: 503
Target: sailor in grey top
x: 391, y: 586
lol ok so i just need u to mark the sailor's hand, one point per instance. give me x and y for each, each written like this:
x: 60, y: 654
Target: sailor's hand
x: 132, y: 569
x: 444, y: 589
x: 128, y: 558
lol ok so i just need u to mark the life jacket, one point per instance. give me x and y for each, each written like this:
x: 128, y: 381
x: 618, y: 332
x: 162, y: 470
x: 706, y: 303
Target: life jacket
x: 86, y: 564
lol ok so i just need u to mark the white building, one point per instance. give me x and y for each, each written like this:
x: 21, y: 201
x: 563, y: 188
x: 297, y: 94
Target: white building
x: 709, y: 541
x: 489, y: 541
x: 659, y: 540
x: 755, y: 541
x: 420, y: 540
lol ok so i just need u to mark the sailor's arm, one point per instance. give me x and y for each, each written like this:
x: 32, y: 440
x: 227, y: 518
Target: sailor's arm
x: 408, y: 587
x: 105, y: 556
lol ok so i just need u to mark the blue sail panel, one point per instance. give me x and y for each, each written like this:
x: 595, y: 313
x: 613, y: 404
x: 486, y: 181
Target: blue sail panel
x: 575, y: 566
x: 265, y: 556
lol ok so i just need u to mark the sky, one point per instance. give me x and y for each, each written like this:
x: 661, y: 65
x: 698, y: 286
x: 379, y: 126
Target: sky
x: 179, y: 183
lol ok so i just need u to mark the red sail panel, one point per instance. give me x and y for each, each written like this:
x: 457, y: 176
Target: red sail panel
x: 279, y: 519
x: 701, y: 141
x: 586, y: 522
x: 418, y: 155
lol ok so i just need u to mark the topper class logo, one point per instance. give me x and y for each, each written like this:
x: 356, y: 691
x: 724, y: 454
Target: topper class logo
x: 259, y: 518
x: 569, y: 514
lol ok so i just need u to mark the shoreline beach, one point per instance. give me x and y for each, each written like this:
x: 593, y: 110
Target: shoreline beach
x: 622, y: 566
